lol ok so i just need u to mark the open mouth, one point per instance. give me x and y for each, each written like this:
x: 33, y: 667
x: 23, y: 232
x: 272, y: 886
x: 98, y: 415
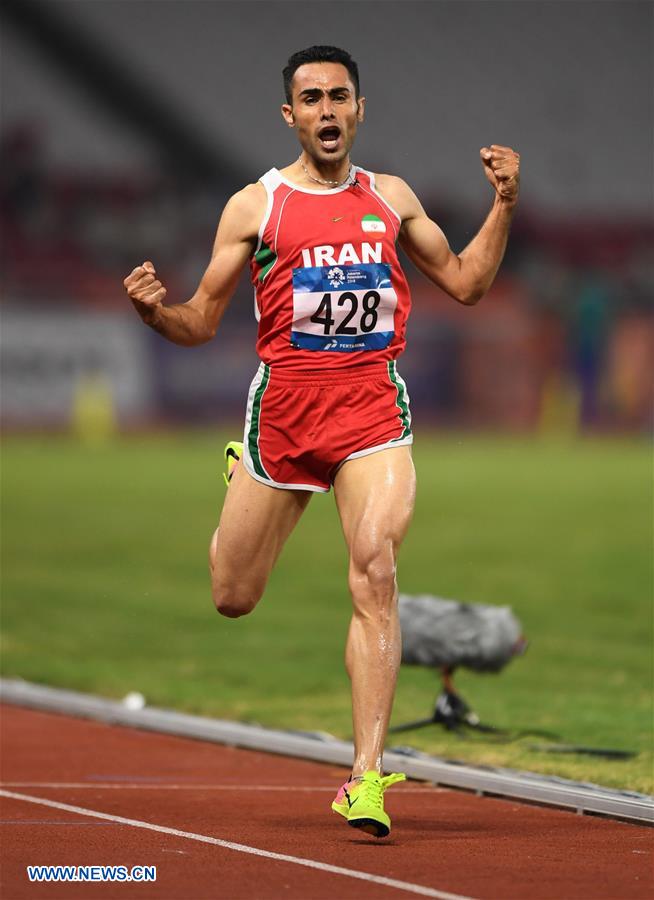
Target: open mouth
x: 329, y: 136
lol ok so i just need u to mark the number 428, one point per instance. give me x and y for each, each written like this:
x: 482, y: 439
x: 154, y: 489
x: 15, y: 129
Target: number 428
x: 368, y: 315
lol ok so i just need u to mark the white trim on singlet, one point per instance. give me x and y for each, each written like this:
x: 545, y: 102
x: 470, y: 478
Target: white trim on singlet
x: 336, y: 190
x: 270, y: 181
x: 373, y: 192
x: 279, y: 222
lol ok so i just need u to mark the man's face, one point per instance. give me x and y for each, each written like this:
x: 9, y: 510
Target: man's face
x: 324, y: 110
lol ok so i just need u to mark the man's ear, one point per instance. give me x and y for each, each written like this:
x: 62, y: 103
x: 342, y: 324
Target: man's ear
x: 361, y: 108
x: 287, y: 115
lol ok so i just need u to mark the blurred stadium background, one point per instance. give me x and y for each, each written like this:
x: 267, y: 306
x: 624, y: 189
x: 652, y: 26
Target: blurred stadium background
x: 126, y: 125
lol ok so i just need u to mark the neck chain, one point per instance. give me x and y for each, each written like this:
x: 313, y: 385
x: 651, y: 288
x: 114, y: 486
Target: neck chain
x: 348, y: 177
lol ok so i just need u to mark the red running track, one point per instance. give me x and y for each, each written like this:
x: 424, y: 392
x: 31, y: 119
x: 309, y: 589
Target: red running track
x: 190, y: 803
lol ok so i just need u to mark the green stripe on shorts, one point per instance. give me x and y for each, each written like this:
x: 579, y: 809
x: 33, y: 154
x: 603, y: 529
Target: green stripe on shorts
x: 253, y: 433
x: 402, y: 400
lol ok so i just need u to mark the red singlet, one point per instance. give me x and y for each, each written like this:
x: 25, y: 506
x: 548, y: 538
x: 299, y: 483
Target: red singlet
x: 332, y: 304
x: 329, y: 290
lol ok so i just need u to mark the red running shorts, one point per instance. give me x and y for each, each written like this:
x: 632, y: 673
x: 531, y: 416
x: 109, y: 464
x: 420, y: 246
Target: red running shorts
x: 301, y: 427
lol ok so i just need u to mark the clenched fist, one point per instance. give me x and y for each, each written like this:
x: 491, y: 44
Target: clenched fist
x: 145, y: 292
x: 502, y: 168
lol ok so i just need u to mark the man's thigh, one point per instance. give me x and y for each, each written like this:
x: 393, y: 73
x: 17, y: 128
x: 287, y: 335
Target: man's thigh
x: 375, y: 495
x: 254, y: 524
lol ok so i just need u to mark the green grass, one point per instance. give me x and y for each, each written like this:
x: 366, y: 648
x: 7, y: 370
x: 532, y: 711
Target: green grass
x: 105, y: 589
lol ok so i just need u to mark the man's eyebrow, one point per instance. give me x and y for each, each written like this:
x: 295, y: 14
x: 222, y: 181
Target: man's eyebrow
x: 316, y: 91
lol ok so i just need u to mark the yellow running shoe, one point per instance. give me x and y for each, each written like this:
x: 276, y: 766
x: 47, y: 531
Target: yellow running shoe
x: 341, y: 803
x: 232, y: 454
x: 361, y: 802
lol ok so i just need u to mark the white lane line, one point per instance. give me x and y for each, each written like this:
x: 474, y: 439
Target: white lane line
x: 56, y: 822
x: 243, y: 848
x: 163, y: 786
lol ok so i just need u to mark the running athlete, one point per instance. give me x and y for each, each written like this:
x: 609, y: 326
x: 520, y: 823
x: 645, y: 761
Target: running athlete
x: 327, y: 405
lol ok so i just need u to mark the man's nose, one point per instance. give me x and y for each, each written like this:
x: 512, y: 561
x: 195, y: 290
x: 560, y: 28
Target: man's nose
x: 327, y: 109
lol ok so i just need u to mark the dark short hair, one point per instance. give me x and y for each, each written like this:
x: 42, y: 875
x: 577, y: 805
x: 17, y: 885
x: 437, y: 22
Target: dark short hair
x: 319, y: 53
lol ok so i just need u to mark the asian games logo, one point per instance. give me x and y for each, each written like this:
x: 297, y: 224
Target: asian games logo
x: 336, y: 277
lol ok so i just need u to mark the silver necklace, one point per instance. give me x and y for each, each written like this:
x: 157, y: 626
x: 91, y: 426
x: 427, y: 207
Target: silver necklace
x: 321, y: 181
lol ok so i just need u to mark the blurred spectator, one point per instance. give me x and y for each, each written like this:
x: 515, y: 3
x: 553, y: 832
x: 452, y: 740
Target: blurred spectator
x: 588, y: 327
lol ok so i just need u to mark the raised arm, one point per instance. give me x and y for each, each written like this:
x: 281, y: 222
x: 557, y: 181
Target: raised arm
x: 196, y: 321
x: 468, y: 275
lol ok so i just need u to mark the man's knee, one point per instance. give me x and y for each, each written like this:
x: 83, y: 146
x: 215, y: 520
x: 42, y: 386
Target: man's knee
x: 234, y: 602
x: 372, y: 579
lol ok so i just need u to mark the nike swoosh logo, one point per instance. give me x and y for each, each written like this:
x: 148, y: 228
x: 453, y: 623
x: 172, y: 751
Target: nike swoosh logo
x: 349, y: 802
x: 338, y: 218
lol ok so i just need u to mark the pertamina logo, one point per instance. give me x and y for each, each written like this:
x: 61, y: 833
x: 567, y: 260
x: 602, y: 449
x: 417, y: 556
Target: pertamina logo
x: 373, y: 223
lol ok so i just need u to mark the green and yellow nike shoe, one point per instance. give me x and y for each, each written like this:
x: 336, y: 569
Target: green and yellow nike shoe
x: 361, y: 802
x: 232, y: 454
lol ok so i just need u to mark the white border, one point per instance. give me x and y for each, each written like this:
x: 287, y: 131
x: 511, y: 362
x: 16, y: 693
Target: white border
x: 405, y: 442
x: 279, y: 485
x: 336, y: 190
x: 257, y: 314
x: 267, y: 180
x: 254, y: 387
x: 279, y: 222
x: 392, y: 364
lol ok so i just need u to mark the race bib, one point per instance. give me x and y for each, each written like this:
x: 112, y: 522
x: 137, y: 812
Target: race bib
x: 343, y: 308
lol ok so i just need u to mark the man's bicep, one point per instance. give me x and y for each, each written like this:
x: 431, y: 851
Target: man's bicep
x: 427, y: 247
x: 233, y: 246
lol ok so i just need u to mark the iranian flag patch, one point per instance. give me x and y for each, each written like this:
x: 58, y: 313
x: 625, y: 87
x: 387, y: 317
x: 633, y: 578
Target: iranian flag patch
x: 373, y: 223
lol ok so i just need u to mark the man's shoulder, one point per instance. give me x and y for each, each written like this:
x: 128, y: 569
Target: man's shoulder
x: 245, y: 209
x: 249, y: 197
x: 390, y: 182
x: 397, y: 193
